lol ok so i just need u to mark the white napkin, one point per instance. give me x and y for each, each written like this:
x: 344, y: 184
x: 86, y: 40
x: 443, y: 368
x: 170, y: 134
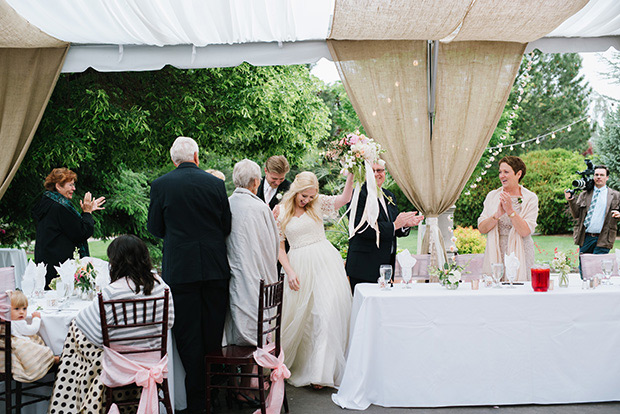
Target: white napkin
x: 39, y: 279
x: 512, y: 266
x: 102, y: 279
x: 406, y: 262
x: 66, y: 271
x: 28, y: 280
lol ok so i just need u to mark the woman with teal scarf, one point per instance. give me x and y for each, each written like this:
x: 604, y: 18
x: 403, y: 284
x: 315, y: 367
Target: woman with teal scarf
x: 60, y: 227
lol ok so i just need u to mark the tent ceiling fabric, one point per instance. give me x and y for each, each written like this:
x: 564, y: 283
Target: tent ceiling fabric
x: 515, y: 21
x: 18, y: 33
x: 259, y: 24
x: 397, y: 19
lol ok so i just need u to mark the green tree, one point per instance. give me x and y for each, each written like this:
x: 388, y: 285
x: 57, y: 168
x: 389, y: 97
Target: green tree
x: 607, y: 148
x: 115, y: 130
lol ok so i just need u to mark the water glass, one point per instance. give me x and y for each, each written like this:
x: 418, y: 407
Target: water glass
x: 498, y: 273
x: 386, y: 273
x: 406, y: 275
x: 607, y: 266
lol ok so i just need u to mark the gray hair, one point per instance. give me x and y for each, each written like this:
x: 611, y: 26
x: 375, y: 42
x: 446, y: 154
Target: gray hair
x: 245, y: 172
x: 183, y: 149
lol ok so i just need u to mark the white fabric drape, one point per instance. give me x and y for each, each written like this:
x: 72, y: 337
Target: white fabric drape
x: 172, y: 22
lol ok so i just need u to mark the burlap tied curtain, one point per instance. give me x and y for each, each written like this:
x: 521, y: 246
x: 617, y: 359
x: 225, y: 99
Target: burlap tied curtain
x: 388, y: 82
x: 30, y: 63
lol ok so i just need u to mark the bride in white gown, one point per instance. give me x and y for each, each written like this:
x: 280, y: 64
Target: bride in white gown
x: 317, y: 300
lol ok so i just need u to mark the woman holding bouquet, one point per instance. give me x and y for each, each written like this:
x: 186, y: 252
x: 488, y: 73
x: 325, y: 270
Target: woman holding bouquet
x: 317, y: 301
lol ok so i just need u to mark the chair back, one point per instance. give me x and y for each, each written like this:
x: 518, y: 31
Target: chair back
x: 7, y: 278
x: 420, y: 270
x: 270, y: 313
x: 134, y: 326
x: 591, y: 264
x: 472, y: 265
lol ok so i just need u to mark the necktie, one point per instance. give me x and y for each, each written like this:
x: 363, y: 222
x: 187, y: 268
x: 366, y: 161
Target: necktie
x: 588, y: 219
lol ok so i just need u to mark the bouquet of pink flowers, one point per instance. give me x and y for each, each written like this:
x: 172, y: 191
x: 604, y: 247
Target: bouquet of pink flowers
x: 354, y: 151
x: 357, y: 153
x: 85, y: 277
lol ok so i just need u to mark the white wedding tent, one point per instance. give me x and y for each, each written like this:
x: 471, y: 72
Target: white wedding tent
x: 428, y: 78
x: 123, y: 35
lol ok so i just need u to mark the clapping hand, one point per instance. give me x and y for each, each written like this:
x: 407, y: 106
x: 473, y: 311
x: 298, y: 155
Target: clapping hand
x: 403, y: 219
x: 415, y: 220
x: 505, y: 202
x: 89, y: 205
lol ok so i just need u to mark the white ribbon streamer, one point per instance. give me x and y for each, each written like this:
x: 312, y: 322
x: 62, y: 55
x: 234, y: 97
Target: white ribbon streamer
x: 371, y: 208
x: 432, y: 226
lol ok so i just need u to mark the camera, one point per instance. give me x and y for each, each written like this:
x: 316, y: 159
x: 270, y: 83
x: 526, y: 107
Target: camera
x: 586, y: 182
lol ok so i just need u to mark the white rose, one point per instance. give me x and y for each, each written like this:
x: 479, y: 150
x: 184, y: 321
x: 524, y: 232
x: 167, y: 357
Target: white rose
x: 454, y: 276
x: 279, y: 196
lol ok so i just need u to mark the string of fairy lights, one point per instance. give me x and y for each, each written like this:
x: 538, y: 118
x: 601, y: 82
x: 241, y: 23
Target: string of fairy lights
x: 496, y: 150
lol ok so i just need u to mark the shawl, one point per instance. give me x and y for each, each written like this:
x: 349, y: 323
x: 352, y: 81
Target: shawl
x: 63, y: 201
x: 529, y: 213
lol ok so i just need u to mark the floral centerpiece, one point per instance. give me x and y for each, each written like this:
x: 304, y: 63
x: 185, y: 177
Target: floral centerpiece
x: 357, y: 153
x: 562, y: 264
x: 449, y: 275
x: 85, y: 275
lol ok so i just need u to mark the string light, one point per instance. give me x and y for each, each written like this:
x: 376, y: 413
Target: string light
x: 494, y: 151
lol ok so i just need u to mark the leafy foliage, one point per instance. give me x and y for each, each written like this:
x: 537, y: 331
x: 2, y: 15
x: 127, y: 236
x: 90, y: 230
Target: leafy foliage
x: 115, y: 130
x: 469, y: 240
x: 607, y: 148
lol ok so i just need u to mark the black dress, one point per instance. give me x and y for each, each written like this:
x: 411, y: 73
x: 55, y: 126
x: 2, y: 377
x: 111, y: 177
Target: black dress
x: 59, y: 232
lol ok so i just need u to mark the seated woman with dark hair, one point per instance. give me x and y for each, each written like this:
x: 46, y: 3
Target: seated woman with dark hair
x: 78, y: 387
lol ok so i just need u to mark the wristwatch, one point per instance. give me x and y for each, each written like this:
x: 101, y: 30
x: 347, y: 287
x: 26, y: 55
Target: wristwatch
x: 511, y: 215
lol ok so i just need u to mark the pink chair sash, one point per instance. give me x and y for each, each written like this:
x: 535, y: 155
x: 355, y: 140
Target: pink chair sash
x: 279, y: 373
x: 118, y: 370
x: 5, y: 306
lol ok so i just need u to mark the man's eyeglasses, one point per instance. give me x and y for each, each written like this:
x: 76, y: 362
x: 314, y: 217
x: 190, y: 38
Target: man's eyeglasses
x: 378, y: 170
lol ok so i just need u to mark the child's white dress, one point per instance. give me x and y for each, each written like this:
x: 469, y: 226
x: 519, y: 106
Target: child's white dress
x: 31, y: 358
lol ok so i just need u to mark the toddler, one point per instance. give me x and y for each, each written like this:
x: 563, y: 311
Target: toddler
x: 31, y: 357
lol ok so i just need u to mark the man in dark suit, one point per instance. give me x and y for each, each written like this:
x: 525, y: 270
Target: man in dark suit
x: 274, y: 184
x: 189, y: 209
x: 364, y: 257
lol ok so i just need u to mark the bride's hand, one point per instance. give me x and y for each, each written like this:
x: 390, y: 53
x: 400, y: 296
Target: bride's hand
x: 276, y: 211
x: 293, y: 282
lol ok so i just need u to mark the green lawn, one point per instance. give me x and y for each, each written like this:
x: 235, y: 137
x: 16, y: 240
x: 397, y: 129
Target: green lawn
x: 544, y: 245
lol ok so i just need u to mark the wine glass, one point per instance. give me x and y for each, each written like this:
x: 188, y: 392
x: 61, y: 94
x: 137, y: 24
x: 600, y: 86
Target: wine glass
x: 607, y: 266
x: 28, y: 287
x: 386, y: 273
x: 498, y: 273
x: 406, y: 275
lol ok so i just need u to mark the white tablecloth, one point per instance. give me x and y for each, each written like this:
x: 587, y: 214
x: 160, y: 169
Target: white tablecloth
x: 17, y: 258
x: 429, y: 347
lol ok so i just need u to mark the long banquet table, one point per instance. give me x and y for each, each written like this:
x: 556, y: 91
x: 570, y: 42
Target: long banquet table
x: 430, y: 347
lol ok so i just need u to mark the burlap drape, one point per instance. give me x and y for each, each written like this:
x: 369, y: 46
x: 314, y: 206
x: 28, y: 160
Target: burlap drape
x: 387, y: 84
x: 30, y: 63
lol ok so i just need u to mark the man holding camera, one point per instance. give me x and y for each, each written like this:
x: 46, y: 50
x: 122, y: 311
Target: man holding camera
x: 595, y: 213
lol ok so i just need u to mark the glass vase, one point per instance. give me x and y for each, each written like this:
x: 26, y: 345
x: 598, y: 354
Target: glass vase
x: 563, y: 282
x: 451, y: 286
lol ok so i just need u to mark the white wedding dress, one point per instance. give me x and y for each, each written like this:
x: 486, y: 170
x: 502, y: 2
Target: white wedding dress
x: 315, y: 319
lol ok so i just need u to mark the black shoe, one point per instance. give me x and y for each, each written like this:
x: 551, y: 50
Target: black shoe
x: 243, y: 399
